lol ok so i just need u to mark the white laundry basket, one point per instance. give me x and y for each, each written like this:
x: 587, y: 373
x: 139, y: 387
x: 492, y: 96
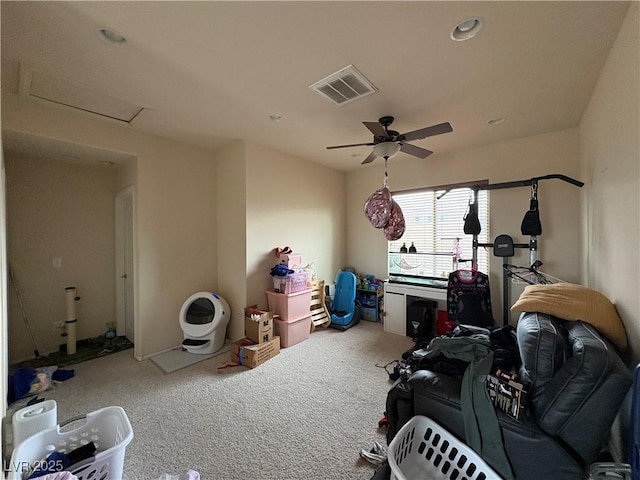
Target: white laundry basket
x: 423, y: 449
x: 108, y: 428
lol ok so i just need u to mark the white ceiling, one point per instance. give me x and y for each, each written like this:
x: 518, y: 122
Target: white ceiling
x: 208, y: 72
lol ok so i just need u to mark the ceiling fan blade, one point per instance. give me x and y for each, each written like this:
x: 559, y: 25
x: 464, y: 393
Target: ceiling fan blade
x: 415, y: 151
x: 428, y: 131
x: 352, y: 145
x: 372, y: 156
x: 376, y: 128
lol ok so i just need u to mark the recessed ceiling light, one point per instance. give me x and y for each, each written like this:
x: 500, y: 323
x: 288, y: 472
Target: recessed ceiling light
x: 112, y: 36
x: 496, y: 121
x: 466, y: 29
x: 274, y: 117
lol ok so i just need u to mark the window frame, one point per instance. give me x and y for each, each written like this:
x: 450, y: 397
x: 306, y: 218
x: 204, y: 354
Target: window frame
x: 438, y: 268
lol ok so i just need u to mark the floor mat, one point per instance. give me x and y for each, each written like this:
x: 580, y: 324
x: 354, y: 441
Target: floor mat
x: 175, y: 360
x: 85, y: 350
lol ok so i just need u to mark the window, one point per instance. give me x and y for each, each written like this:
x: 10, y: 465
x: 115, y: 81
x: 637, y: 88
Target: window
x: 435, y: 227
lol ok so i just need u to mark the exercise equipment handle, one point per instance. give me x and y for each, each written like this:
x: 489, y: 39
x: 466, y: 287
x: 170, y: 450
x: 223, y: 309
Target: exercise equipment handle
x: 559, y: 176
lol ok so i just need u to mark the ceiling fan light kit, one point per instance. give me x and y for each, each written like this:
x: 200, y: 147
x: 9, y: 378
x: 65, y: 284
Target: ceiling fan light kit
x: 386, y: 150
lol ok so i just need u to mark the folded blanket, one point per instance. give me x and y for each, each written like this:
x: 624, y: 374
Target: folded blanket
x: 575, y: 302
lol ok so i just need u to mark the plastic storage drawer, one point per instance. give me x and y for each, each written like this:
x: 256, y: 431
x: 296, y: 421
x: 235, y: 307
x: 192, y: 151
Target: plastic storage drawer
x: 292, y: 306
x: 293, y: 331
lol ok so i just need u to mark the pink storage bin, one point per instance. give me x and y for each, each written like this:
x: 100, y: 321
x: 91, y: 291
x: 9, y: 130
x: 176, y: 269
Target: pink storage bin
x: 292, y: 283
x: 293, y: 331
x: 290, y: 306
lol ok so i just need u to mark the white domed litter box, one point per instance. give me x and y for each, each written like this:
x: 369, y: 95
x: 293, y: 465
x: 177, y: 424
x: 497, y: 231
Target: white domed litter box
x: 204, y: 317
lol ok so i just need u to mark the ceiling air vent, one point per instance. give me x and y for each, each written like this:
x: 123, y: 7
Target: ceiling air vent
x: 344, y: 86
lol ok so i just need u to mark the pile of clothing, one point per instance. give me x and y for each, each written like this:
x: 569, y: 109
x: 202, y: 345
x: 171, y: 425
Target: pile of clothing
x: 25, y: 382
x: 56, y: 465
x: 471, y: 353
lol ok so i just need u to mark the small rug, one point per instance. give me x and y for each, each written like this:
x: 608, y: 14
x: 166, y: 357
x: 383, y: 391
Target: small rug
x: 85, y: 350
x: 175, y: 360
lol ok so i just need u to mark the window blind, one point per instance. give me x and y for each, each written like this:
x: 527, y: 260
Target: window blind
x: 435, y: 226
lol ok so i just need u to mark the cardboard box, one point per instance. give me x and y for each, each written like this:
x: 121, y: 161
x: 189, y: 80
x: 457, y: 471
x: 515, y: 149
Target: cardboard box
x: 254, y: 331
x: 250, y: 354
x: 254, y: 310
x: 259, y: 331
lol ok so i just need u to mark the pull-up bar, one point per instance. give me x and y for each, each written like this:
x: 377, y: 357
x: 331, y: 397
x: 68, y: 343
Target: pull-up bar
x: 526, y: 183
x: 530, y: 223
x: 503, y: 245
x: 517, y: 183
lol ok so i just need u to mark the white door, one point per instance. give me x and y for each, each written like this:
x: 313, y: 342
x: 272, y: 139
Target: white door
x: 124, y: 263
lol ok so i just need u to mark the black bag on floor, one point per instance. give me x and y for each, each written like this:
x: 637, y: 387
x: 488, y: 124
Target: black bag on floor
x: 399, y: 408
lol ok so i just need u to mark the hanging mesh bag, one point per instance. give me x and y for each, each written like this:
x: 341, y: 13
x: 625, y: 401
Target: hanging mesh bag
x: 396, y: 225
x: 377, y: 208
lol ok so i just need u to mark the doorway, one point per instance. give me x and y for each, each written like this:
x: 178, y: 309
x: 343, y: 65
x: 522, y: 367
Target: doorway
x: 125, y: 253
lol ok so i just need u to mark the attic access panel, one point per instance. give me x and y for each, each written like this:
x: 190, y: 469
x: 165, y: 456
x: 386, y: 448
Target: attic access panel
x: 52, y: 89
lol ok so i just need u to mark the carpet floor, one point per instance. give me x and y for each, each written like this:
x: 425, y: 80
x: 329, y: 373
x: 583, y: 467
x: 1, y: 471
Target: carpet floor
x: 304, y: 414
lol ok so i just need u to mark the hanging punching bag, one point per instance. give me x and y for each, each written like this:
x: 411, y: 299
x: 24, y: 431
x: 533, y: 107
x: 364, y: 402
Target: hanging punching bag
x: 531, y: 222
x: 471, y: 221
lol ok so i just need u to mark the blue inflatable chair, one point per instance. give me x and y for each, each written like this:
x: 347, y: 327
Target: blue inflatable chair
x: 343, y: 309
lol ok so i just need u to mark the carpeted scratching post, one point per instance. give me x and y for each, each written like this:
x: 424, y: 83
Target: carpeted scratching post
x: 72, y: 319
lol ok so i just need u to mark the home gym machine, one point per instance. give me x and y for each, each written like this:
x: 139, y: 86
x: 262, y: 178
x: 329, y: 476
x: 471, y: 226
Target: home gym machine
x: 503, y: 245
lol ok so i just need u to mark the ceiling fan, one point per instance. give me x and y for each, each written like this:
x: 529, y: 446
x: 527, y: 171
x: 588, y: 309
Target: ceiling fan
x: 386, y: 143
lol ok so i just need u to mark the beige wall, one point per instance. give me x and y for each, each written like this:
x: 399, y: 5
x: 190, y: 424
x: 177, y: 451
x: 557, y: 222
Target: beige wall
x: 232, y: 224
x: 4, y: 330
x: 268, y: 199
x: 296, y: 204
x: 177, y: 237
x: 66, y: 211
x: 126, y: 174
x: 176, y: 211
x: 610, y: 151
x: 520, y: 159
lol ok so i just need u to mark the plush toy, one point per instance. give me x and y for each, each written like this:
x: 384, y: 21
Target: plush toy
x: 284, y: 250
